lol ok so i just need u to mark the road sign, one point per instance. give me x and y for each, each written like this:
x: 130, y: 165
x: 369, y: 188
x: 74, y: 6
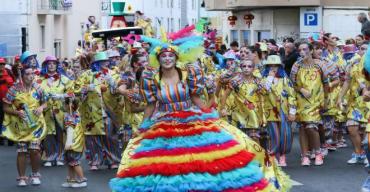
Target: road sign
x: 310, y: 19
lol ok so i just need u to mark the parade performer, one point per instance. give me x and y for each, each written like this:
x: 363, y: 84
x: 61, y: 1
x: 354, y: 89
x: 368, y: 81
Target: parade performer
x: 280, y: 108
x: 333, y: 67
x: 74, y: 146
x: 30, y: 60
x: 24, y: 122
x: 183, y: 146
x: 55, y: 85
x: 247, y: 93
x: 356, y: 121
x: 129, y: 88
x: 101, y: 143
x: 307, y: 78
x: 145, y: 23
x: 364, y: 80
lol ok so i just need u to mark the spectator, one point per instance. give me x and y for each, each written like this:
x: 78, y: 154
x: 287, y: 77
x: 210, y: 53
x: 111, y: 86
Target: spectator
x: 359, y: 40
x: 365, y: 29
x: 234, y: 46
x: 6, y: 81
x: 290, y: 57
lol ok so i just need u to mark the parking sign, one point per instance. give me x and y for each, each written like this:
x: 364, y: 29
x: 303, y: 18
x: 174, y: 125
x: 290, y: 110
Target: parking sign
x: 310, y: 19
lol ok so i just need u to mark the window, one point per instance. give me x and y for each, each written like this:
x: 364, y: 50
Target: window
x: 168, y: 24
x: 171, y: 3
x: 58, y: 48
x: 193, y: 4
x: 263, y: 35
x: 43, y: 45
x: 161, y: 3
x: 179, y: 24
x: 179, y: 4
x: 156, y: 3
x: 246, y: 35
x: 234, y: 35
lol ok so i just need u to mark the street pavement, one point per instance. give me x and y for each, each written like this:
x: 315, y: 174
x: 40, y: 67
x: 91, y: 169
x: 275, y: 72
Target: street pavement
x: 334, y: 176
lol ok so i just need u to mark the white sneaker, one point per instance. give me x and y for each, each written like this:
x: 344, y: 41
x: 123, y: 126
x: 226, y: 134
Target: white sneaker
x: 22, y: 183
x: 79, y: 184
x: 60, y: 163
x: 67, y: 184
x: 47, y: 164
x: 354, y: 159
x: 366, y: 162
x: 35, y: 181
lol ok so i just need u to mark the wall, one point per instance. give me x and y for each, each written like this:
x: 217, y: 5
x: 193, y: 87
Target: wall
x: 342, y: 23
x: 286, y: 23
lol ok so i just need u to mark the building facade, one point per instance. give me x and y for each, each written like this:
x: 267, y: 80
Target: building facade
x: 279, y: 19
x: 45, y: 27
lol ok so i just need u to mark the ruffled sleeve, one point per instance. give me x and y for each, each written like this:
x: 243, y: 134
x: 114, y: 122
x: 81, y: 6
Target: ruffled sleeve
x: 195, y: 80
x: 148, y: 86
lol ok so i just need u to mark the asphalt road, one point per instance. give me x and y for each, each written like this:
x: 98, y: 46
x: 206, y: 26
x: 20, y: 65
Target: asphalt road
x: 334, y: 176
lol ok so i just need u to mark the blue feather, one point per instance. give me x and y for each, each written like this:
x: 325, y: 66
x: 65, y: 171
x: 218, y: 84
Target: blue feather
x: 367, y: 61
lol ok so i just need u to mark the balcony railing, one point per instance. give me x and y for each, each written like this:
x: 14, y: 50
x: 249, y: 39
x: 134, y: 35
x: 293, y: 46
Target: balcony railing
x: 54, y: 6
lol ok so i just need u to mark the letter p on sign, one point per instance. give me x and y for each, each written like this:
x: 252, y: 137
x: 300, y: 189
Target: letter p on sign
x: 310, y: 19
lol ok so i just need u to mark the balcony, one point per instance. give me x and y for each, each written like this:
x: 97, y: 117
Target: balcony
x: 54, y: 7
x: 224, y: 5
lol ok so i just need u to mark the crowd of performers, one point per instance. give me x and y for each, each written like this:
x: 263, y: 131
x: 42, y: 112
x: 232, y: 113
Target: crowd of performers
x: 175, y: 114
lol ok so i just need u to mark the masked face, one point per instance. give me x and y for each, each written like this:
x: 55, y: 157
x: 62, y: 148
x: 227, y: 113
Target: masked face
x: 167, y: 60
x: 245, y: 53
x: 52, y: 66
x: 247, y: 67
x: 28, y: 76
x: 304, y: 51
x: 76, y: 68
x: 32, y: 61
x: 230, y: 63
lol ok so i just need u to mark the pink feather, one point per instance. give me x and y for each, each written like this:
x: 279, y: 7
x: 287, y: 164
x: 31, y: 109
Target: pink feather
x: 181, y: 33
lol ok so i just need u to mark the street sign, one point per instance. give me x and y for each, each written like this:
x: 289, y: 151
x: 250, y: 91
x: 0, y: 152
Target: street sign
x: 310, y: 19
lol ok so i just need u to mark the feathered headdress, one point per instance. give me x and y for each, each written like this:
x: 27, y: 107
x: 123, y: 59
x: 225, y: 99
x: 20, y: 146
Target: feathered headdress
x: 185, y: 43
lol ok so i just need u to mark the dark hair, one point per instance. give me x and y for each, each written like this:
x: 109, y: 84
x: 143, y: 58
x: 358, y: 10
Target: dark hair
x: 310, y: 47
x: 134, y: 59
x: 289, y: 39
x: 255, y: 49
x: 317, y: 45
x: 138, y: 74
x: 234, y: 44
x: 326, y: 35
x: 272, y: 41
x: 361, y: 36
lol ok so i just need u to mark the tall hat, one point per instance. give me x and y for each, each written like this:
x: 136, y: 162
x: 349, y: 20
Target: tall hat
x: 120, y: 9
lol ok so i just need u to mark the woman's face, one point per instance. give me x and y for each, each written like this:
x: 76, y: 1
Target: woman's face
x: 52, y: 66
x: 32, y: 61
x: 274, y: 68
x: 28, y: 76
x: 76, y: 68
x: 230, y: 63
x: 167, y: 60
x: 317, y: 52
x: 245, y: 53
x: 304, y: 51
x: 247, y: 67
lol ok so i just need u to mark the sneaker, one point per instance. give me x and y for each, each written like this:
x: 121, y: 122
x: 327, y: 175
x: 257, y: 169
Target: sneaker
x: 35, y: 179
x: 22, y: 182
x: 48, y: 164
x: 324, y: 152
x: 366, y: 186
x: 311, y: 155
x: 366, y: 163
x: 282, y: 161
x: 94, y: 168
x: 355, y: 158
x: 342, y: 145
x: 305, y: 161
x: 330, y: 147
x: 80, y: 184
x: 68, y: 184
x: 60, y: 163
x: 319, y: 159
